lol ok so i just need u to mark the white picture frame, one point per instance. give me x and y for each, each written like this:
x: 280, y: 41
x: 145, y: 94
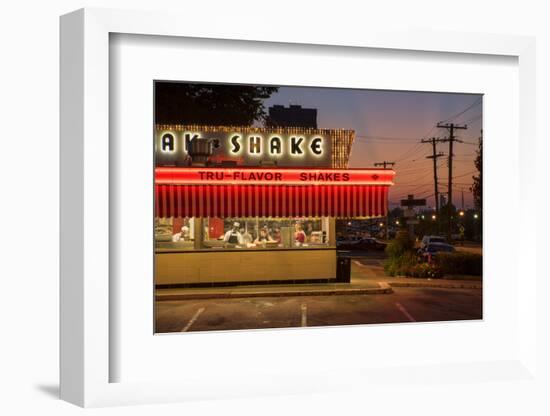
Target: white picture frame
x: 85, y: 211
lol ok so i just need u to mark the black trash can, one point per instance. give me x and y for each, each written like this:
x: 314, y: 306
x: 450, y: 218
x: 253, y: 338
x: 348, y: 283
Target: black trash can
x: 343, y: 268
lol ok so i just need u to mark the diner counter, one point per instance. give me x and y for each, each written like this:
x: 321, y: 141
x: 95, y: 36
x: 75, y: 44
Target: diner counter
x: 237, y: 265
x: 190, y: 249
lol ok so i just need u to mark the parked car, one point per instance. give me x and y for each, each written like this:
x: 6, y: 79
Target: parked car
x: 356, y: 243
x: 427, y: 239
x: 347, y: 243
x: 371, y: 244
x: 429, y: 252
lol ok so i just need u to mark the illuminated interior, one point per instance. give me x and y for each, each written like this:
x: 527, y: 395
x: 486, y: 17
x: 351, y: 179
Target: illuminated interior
x: 241, y: 233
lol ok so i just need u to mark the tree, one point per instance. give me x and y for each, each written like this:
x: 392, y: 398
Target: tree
x: 396, y: 213
x: 427, y: 225
x: 477, y: 189
x: 444, y: 217
x: 210, y: 104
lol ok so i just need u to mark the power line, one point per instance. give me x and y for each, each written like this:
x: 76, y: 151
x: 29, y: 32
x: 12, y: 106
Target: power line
x: 414, y: 149
x: 386, y: 138
x: 417, y: 168
x: 408, y: 152
x: 421, y: 195
x: 426, y: 174
x: 412, y: 171
x: 384, y: 164
x: 418, y: 164
x: 423, y: 187
x: 475, y: 103
x: 465, y: 174
x: 473, y: 119
x: 414, y: 154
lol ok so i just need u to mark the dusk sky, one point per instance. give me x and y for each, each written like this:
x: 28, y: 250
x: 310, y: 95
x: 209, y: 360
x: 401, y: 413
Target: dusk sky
x: 389, y: 126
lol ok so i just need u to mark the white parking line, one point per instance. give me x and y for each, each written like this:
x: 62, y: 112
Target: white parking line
x: 358, y: 263
x: 193, y: 319
x: 405, y: 312
x: 304, y: 314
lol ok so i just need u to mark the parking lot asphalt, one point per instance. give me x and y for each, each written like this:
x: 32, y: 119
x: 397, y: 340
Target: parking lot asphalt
x: 405, y: 304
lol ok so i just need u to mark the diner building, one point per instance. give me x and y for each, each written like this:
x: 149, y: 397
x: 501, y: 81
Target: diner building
x: 246, y: 205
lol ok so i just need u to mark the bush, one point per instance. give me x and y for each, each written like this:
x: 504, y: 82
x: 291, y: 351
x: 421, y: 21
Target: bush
x: 400, y: 246
x: 400, y: 265
x: 401, y: 255
x: 403, y: 261
x: 408, y: 265
x: 425, y: 270
x: 460, y: 263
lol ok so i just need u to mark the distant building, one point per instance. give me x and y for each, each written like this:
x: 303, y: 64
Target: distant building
x: 292, y: 116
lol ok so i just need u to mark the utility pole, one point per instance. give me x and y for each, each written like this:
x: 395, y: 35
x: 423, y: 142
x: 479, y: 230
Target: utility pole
x: 385, y: 163
x: 451, y: 139
x: 434, y: 156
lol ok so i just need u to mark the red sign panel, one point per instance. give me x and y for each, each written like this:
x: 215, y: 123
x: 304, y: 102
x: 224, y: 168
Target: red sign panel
x: 270, y: 176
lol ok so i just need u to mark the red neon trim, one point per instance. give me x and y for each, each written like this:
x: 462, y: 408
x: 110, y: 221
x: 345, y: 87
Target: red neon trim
x: 270, y: 176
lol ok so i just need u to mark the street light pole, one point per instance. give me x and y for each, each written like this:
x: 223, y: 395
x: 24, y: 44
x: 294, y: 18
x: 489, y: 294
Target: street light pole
x: 385, y: 165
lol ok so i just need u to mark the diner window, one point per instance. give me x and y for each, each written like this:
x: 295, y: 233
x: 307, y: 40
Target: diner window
x: 175, y: 233
x: 265, y: 233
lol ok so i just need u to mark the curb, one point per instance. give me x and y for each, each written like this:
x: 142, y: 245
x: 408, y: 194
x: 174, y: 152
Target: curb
x: 437, y: 285
x: 384, y: 288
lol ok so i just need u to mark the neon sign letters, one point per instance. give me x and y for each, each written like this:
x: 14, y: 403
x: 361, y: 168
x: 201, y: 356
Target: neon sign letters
x: 252, y: 144
x: 263, y: 176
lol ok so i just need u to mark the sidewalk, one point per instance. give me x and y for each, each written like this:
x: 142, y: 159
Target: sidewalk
x: 355, y: 288
x: 368, y: 272
x: 442, y: 283
x: 365, y: 280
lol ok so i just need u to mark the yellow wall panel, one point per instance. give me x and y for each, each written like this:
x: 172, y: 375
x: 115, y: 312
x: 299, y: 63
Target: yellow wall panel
x: 242, y: 266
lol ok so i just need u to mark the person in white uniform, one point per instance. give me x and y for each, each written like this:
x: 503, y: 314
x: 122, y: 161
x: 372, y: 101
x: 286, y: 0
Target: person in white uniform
x: 233, y: 236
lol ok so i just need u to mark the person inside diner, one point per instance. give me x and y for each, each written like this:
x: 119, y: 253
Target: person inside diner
x: 233, y: 236
x: 309, y: 230
x: 183, y: 235
x: 299, y: 234
x: 247, y: 238
x: 277, y: 235
x: 263, y: 237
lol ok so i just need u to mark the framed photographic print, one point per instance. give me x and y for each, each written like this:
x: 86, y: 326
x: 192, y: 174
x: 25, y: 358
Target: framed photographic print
x: 265, y: 212
x: 286, y: 213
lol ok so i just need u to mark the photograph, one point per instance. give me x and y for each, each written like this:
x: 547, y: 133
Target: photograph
x: 275, y: 209
x: 299, y: 206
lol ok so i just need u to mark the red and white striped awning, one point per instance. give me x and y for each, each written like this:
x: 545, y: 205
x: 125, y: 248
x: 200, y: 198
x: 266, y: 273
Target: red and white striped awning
x: 313, y: 198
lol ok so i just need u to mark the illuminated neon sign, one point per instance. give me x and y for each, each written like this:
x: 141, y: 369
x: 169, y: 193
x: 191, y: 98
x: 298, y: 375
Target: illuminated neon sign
x: 248, y: 147
x: 296, y: 145
x: 262, y: 176
x: 254, y: 144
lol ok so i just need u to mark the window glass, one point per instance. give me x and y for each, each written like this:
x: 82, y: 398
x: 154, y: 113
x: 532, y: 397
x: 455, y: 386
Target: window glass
x: 175, y: 233
x: 240, y: 233
x: 265, y: 233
